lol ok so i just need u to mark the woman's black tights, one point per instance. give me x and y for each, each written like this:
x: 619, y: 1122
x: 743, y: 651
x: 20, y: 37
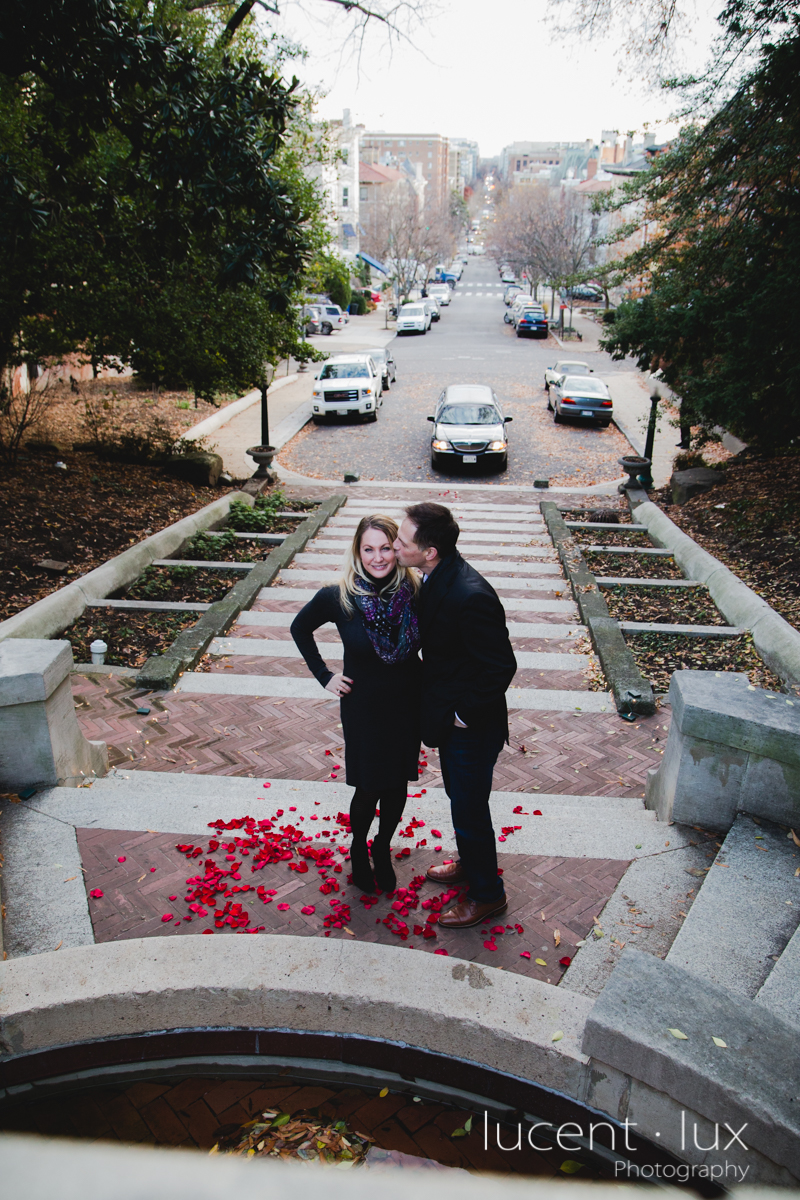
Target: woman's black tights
x: 391, y: 801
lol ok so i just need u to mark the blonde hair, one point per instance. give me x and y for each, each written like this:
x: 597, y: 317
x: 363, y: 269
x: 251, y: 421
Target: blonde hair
x: 353, y: 569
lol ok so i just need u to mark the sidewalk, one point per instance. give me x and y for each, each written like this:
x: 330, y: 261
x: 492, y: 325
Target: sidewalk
x: 631, y: 395
x: 290, y: 403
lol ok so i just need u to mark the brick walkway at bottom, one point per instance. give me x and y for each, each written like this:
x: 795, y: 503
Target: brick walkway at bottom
x: 193, y: 1112
x: 564, y: 753
x: 545, y: 894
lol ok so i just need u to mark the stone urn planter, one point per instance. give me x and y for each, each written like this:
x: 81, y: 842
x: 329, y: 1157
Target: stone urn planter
x: 263, y: 455
x: 633, y: 465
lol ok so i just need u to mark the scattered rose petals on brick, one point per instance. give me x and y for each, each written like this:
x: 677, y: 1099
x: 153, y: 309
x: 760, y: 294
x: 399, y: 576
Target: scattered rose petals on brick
x: 122, y: 858
x: 96, y: 893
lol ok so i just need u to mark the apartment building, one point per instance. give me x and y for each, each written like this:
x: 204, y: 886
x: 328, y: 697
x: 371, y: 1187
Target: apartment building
x: 340, y: 185
x: 429, y: 151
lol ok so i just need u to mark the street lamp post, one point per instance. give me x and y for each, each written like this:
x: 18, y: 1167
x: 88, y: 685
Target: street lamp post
x: 646, y: 478
x: 264, y: 453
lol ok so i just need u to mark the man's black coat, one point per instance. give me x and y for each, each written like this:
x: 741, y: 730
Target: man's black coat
x: 467, y: 658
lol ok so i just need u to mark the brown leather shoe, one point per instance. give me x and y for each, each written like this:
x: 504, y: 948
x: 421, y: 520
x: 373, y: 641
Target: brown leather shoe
x: 448, y: 872
x: 462, y: 916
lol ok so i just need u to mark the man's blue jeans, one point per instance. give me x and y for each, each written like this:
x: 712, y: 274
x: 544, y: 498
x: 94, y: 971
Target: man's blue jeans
x: 467, y: 758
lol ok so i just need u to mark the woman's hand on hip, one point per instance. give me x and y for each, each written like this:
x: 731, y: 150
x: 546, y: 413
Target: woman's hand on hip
x: 340, y: 685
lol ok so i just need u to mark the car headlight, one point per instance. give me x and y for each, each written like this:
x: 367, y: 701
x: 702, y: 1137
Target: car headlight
x: 316, y: 393
x: 440, y: 444
x: 366, y: 391
x: 498, y: 445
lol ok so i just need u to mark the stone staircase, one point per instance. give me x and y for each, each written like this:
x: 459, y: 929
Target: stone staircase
x: 508, y: 543
x: 742, y: 930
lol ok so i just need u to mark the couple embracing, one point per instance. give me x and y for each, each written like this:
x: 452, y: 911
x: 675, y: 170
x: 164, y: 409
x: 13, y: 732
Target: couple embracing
x: 404, y: 589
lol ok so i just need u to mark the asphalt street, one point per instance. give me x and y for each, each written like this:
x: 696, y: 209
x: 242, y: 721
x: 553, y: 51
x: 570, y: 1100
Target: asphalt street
x: 471, y: 344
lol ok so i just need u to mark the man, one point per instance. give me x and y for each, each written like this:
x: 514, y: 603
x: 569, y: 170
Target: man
x: 468, y: 664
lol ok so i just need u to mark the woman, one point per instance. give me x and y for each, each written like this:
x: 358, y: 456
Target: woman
x: 374, y: 608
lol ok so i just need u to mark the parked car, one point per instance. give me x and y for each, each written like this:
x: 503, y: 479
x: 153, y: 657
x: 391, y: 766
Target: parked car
x: 457, y: 267
x: 413, y: 318
x: 384, y: 361
x: 311, y: 316
x: 469, y: 427
x: 517, y: 304
x: 565, y: 366
x: 512, y: 291
x: 348, y: 385
x: 507, y: 275
x: 331, y: 317
x: 531, y: 321
x: 580, y: 397
x: 585, y: 291
x: 432, y: 304
x: 441, y: 293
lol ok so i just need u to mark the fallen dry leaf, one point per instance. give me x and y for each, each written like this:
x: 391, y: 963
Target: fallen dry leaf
x: 795, y: 838
x: 719, y: 1042
x: 676, y: 1033
x: 557, y: 936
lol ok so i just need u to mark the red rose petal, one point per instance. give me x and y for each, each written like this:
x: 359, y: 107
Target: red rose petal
x: 440, y: 951
x: 537, y: 812
x: 437, y: 847
x: 172, y: 897
x: 307, y: 910
x: 121, y: 858
x: 168, y: 917
x: 152, y: 868
x: 283, y: 907
x: 498, y: 929
x: 565, y: 961
x: 267, y: 785
x: 436, y: 833
x: 208, y: 931
x: 490, y: 945
x: 96, y: 893
x: 524, y: 953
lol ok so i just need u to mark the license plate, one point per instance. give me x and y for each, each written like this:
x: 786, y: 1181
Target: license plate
x: 341, y: 412
x: 587, y: 412
x: 470, y: 458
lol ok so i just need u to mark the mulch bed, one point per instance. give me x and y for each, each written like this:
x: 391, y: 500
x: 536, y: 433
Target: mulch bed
x: 658, y: 655
x: 633, y: 566
x: 610, y: 537
x: 184, y: 584
x: 667, y: 606
x: 82, y: 517
x: 108, y: 408
x: 131, y: 637
x: 750, y: 523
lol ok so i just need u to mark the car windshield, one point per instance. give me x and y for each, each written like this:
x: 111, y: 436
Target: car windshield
x: 469, y: 414
x: 413, y: 310
x: 569, y: 368
x: 587, y: 387
x: 345, y: 371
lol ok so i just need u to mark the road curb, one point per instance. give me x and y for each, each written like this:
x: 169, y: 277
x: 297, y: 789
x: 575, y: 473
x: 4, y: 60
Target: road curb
x: 632, y: 692
x: 161, y: 671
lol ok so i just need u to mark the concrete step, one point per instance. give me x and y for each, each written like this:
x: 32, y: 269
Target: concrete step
x: 490, y: 525
x: 271, y: 648
x: 704, y: 631
x: 780, y: 992
x: 644, y: 550
x: 316, y: 558
x: 522, y: 549
x: 518, y: 629
x: 535, y: 604
x: 229, y: 683
x: 458, y: 508
x: 570, y: 826
x: 298, y: 575
x: 625, y: 581
x: 606, y: 525
x: 746, y: 911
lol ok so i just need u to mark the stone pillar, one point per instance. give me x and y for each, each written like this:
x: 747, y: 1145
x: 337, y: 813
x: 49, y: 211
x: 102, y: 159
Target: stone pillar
x: 41, y: 743
x: 731, y: 748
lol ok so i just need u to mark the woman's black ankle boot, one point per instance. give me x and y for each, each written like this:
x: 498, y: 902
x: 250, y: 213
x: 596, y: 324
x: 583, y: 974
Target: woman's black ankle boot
x: 382, y: 862
x: 359, y: 863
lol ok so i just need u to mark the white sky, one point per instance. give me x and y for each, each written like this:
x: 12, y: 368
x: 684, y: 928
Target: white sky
x: 479, y: 69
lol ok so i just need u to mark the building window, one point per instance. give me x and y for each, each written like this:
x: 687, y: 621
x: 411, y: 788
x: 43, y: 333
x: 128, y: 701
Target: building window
x: 345, y: 156
x: 430, y: 154
x: 401, y: 142
x: 363, y: 193
x: 345, y: 197
x: 519, y: 167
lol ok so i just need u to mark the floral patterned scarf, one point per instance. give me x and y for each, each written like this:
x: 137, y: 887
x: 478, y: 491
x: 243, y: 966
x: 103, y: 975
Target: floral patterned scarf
x: 391, y: 622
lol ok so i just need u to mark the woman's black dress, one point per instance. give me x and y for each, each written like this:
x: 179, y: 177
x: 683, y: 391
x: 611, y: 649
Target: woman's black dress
x: 381, y: 715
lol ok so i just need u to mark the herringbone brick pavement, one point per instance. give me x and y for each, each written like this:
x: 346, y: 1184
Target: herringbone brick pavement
x: 555, y: 901
x: 195, y: 1112
x: 565, y: 753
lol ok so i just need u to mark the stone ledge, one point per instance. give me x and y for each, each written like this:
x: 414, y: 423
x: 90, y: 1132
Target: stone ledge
x: 118, y: 989
x: 748, y: 1083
